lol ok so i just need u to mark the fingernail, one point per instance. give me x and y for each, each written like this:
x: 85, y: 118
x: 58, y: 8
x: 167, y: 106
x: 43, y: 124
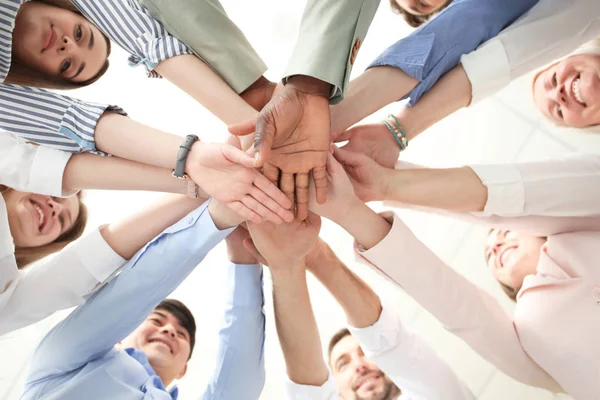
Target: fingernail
x: 257, y: 155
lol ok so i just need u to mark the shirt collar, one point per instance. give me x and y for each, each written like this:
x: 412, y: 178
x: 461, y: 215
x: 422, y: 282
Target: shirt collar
x: 141, y: 357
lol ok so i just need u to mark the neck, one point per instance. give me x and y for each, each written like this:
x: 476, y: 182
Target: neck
x: 164, y: 374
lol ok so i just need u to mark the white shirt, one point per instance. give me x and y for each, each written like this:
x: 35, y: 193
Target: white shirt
x: 550, y: 30
x: 30, y: 168
x: 62, y: 281
x: 406, y: 358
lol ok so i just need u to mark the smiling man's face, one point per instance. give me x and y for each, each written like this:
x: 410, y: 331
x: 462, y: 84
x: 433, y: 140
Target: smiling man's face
x: 358, y: 378
x: 165, y: 342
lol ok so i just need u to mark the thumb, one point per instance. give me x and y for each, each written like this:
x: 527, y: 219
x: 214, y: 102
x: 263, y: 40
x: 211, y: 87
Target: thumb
x: 242, y: 128
x: 234, y: 141
x: 346, y: 157
x: 265, y: 134
x: 342, y: 137
x: 249, y: 245
x: 333, y: 166
x: 237, y: 156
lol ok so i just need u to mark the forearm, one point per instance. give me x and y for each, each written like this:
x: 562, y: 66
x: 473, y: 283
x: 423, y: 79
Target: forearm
x: 364, y: 224
x: 374, y: 89
x: 357, y: 299
x: 89, y: 171
x: 453, y: 189
x: 123, y: 137
x: 194, y: 77
x: 296, y: 326
x: 128, y: 236
x: 448, y: 95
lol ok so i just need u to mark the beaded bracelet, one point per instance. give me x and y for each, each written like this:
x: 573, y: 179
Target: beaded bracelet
x: 398, y: 132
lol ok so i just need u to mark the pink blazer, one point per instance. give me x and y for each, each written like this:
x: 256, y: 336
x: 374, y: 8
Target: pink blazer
x: 553, y: 339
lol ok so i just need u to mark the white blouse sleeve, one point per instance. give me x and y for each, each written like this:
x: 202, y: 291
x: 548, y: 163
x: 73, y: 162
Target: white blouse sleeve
x: 327, y: 391
x: 30, y: 168
x: 550, y: 30
x: 408, y: 360
x: 60, y: 282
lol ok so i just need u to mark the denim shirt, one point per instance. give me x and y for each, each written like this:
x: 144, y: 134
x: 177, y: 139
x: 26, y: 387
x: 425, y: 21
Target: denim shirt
x: 436, y: 47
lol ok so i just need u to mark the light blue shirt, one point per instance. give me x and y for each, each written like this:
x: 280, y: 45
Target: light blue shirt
x: 77, y: 359
x: 436, y: 47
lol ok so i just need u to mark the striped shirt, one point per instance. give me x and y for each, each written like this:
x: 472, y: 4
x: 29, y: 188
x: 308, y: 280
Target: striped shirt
x: 62, y: 122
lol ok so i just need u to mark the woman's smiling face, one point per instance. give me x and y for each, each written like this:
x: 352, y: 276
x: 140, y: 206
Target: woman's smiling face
x: 568, y: 92
x: 58, y: 42
x: 36, y: 220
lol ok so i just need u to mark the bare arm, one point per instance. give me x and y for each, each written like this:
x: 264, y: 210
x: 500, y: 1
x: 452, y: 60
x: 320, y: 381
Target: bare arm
x: 296, y: 326
x: 88, y: 171
x: 284, y: 248
x: 194, y: 77
x: 359, y: 302
x: 381, y: 86
x: 128, y: 236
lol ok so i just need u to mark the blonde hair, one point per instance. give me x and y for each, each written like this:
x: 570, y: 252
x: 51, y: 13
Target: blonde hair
x: 592, y: 47
x: 28, y: 255
x: 25, y: 75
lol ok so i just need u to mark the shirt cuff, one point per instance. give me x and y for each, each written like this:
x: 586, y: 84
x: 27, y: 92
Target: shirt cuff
x: 488, y: 69
x: 47, y: 172
x: 79, y: 123
x: 506, y: 190
x: 327, y: 391
x: 244, y: 285
x: 97, y: 256
x: 383, y: 335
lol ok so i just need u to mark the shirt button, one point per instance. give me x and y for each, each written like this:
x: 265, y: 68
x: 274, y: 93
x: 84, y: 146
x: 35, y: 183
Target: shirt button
x: 596, y: 294
x: 191, y: 221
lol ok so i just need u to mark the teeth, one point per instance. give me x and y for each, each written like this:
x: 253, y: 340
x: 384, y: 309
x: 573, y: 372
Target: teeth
x: 161, y: 343
x: 576, y: 92
x: 40, y: 212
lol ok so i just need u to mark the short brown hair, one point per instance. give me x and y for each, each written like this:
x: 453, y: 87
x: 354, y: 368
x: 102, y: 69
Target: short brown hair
x: 415, y: 20
x: 335, y: 339
x: 24, y: 75
x: 29, y: 255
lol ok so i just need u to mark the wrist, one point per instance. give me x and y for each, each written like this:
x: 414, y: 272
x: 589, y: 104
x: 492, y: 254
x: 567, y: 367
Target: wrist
x: 309, y: 85
x: 345, y: 217
x: 286, y: 266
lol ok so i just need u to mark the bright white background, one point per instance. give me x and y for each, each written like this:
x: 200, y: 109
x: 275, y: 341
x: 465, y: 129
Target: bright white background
x: 502, y: 129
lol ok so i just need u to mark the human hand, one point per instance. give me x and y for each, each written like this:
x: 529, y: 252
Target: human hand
x: 223, y: 217
x: 369, y: 179
x: 236, y: 251
x: 284, y: 245
x: 259, y: 93
x: 341, y: 196
x: 226, y: 174
x: 374, y: 140
x: 292, y: 135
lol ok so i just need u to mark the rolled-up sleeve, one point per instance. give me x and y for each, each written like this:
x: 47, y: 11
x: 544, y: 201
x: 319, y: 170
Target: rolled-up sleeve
x: 51, y: 120
x: 132, y: 27
x: 62, y: 281
x: 550, y: 30
x: 436, y: 47
x: 29, y: 168
x: 563, y: 187
x: 408, y: 360
x: 327, y: 391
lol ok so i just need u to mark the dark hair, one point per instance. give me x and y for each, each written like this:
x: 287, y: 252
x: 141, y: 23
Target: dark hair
x: 335, y: 339
x: 28, y: 255
x: 415, y: 20
x: 184, y: 316
x: 24, y: 75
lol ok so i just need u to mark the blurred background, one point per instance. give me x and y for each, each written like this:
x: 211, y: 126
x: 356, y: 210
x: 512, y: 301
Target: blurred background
x: 504, y: 128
